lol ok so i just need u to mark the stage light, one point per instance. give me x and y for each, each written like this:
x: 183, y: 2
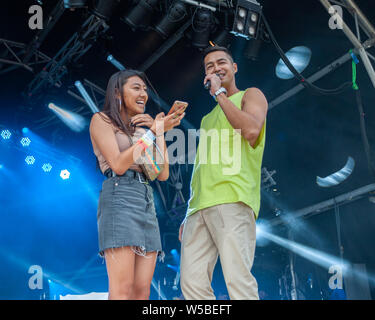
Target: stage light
x: 176, y: 256
x: 300, y: 59
x: 247, y: 19
x: 47, y: 167
x: 1, y: 166
x: 30, y: 160
x: 104, y: 8
x: 72, y: 4
x: 201, y: 25
x: 73, y: 120
x: 6, y: 134
x: 86, y: 96
x: 174, y: 268
x: 337, y: 177
x: 115, y: 62
x: 141, y: 14
x: 254, y: 45
x: 173, y: 19
x: 65, y: 174
x: 25, y: 141
x: 223, y: 38
x: 25, y: 130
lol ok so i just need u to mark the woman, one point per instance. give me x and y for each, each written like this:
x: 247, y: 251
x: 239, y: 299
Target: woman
x: 129, y: 237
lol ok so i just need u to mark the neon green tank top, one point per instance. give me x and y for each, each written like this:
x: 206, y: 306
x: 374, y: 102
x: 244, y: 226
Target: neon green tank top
x: 227, y: 168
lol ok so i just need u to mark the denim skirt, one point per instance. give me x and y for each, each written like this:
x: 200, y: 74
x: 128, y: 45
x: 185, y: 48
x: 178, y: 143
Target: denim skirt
x: 126, y: 214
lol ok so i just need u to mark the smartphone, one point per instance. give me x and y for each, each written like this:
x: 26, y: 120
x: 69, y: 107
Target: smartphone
x: 177, y: 104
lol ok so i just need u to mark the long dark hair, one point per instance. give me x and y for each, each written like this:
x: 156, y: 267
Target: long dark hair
x: 114, y: 90
x: 111, y: 106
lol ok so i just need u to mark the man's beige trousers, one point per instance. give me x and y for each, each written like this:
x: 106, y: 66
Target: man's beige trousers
x: 225, y: 230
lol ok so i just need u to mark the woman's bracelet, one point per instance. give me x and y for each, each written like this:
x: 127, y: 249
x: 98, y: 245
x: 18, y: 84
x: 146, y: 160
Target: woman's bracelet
x: 147, y: 139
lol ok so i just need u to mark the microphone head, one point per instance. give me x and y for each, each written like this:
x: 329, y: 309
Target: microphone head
x: 207, y: 85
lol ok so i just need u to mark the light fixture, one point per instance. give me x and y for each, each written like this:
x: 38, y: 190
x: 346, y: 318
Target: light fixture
x: 73, y: 4
x: 86, y: 96
x: 172, y: 20
x: 25, y: 141
x: 337, y: 177
x: 299, y: 58
x: 247, y: 19
x: 6, y: 134
x: 64, y: 174
x: 201, y: 25
x: 104, y: 8
x: 30, y: 160
x: 141, y: 14
x: 73, y: 120
x: 47, y: 167
x: 115, y: 62
x: 223, y: 37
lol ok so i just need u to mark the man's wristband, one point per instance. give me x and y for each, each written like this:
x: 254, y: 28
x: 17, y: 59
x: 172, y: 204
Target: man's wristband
x: 221, y: 90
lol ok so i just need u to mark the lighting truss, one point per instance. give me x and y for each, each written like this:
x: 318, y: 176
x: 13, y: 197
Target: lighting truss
x: 326, y: 205
x: 365, y: 25
x: 75, y: 48
x: 14, y: 56
x: 360, y: 48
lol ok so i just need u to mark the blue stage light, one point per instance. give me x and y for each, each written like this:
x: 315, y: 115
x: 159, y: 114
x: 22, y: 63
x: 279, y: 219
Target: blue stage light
x: 1, y: 166
x: 73, y: 120
x: 30, y: 160
x: 25, y: 130
x: 47, y: 167
x: 25, y: 142
x: 64, y: 174
x: 6, y: 134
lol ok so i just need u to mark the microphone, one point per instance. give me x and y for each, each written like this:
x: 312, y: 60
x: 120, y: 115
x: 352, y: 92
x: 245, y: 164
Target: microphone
x: 207, y: 85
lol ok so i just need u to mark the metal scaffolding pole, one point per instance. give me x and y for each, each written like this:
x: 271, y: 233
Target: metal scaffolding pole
x: 77, y: 46
x: 364, y: 23
x: 353, y: 39
x: 321, y: 73
x: 325, y: 205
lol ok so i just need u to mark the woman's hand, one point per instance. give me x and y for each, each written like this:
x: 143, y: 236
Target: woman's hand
x: 164, y: 123
x: 142, y: 119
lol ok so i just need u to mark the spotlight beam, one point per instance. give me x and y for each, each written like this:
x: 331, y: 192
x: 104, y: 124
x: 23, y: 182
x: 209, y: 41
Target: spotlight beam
x: 320, y: 258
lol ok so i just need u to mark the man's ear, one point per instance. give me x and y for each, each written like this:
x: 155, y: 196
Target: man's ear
x: 235, y: 68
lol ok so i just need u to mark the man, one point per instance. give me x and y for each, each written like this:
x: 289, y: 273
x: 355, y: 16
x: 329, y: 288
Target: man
x: 222, y: 210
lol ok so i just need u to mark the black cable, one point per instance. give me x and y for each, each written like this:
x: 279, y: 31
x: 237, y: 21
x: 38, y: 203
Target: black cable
x: 366, y: 144
x: 304, y: 82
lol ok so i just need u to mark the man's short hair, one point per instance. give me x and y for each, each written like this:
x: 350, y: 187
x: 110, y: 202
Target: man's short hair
x: 217, y: 48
